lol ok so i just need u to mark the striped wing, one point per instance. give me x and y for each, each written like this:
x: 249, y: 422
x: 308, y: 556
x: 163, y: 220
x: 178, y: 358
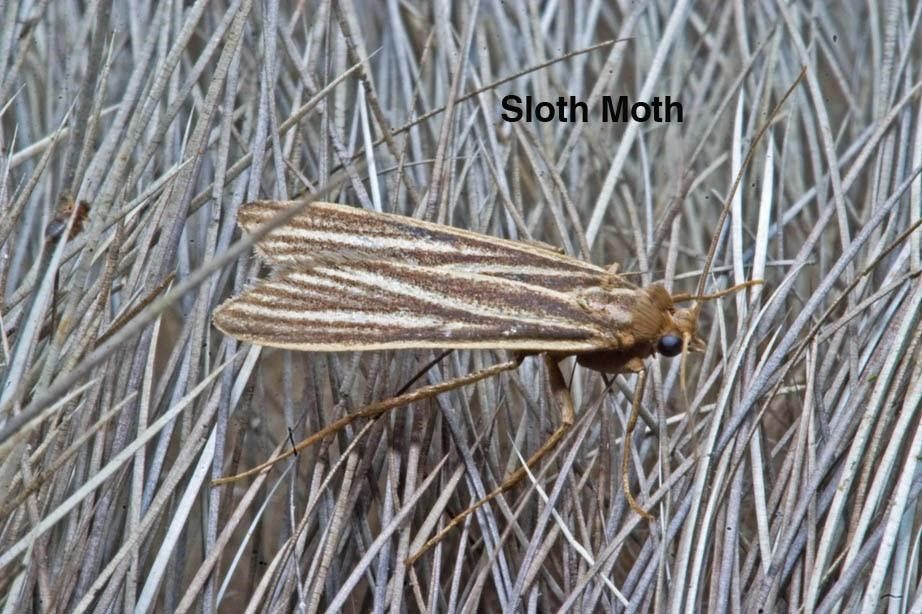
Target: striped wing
x: 375, y: 305
x: 328, y: 228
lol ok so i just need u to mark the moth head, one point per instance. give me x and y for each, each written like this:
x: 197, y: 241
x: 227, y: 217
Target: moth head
x: 686, y: 322
x: 688, y: 318
x: 671, y: 329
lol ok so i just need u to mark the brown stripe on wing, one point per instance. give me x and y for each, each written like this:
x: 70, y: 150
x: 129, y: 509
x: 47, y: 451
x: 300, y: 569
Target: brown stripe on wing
x: 365, y: 306
x: 329, y: 228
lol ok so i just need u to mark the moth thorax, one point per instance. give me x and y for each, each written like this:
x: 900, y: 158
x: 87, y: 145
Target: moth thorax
x: 660, y: 297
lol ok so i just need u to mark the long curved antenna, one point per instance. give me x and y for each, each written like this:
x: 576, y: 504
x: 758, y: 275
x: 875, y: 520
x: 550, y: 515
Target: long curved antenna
x: 685, y: 296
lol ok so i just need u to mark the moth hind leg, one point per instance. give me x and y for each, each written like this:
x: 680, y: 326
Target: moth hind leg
x: 564, y: 402
x: 375, y: 410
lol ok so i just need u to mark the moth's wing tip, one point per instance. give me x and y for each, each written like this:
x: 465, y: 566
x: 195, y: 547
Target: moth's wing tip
x: 220, y: 318
x: 263, y: 255
x: 255, y: 212
x: 228, y: 322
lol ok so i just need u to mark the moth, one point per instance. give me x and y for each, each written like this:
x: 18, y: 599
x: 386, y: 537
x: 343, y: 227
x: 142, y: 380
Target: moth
x: 348, y: 279
x: 355, y: 280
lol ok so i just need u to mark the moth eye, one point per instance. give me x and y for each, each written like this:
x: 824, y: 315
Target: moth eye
x: 669, y: 345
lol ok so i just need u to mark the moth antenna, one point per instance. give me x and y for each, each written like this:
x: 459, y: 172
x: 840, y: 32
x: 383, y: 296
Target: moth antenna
x: 685, y: 296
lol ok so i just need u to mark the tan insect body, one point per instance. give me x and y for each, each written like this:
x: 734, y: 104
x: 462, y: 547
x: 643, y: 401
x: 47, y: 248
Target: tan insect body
x: 350, y: 279
x: 355, y: 280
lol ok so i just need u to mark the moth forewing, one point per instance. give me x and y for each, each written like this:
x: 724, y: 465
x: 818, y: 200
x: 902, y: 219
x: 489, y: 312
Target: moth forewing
x: 375, y: 305
x: 330, y: 228
x: 358, y: 280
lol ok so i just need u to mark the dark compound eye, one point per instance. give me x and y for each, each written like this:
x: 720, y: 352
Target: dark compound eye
x: 669, y: 345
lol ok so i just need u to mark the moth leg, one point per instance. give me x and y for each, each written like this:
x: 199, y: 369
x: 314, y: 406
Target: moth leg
x: 374, y: 410
x: 626, y: 445
x: 567, y: 418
